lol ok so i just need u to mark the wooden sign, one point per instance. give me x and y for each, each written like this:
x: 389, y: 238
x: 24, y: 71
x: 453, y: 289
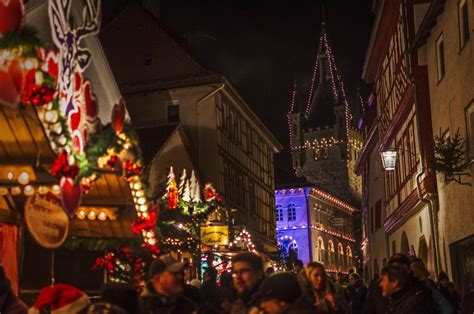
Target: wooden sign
x: 215, y: 235
x: 46, y: 220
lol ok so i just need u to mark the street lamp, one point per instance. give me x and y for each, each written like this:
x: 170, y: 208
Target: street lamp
x: 389, y: 159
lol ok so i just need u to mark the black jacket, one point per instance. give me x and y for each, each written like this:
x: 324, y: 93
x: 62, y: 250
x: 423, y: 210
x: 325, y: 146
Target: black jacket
x: 410, y: 301
x: 375, y: 302
x: 152, y: 302
x: 356, y: 296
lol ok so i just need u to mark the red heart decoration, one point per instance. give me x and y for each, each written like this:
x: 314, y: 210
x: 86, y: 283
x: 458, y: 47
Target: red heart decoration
x: 77, y: 82
x: 118, y: 116
x: 51, y: 64
x: 11, y: 15
x: 77, y: 141
x: 75, y: 118
x: 71, y: 195
x: 89, y: 99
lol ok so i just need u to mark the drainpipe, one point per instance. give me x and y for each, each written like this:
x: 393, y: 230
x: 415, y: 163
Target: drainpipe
x: 308, y: 218
x: 199, y: 101
x: 426, y: 200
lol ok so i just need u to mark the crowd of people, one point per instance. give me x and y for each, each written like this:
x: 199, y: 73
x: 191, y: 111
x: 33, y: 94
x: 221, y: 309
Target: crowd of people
x: 404, y: 286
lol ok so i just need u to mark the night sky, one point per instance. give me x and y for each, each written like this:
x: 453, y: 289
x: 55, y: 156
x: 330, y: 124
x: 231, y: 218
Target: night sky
x: 262, y: 46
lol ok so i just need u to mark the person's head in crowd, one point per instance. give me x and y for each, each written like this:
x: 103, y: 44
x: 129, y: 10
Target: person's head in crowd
x: 60, y: 298
x: 400, y: 259
x: 298, y: 266
x: 316, y: 275
x: 122, y: 295
x: 166, y: 276
x: 395, y: 277
x: 443, y: 279
x: 226, y: 279
x: 351, y: 271
x: 277, y: 292
x: 418, y: 270
x: 339, y: 277
x: 195, y: 282
x: 270, y: 270
x: 210, y: 274
x: 354, y: 279
x: 247, y: 272
x: 106, y: 308
x: 376, y: 276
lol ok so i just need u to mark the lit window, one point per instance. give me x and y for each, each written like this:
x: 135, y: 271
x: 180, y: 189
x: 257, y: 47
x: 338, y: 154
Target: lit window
x: 463, y: 17
x: 340, y: 249
x: 330, y: 246
x: 440, y: 57
x: 291, y: 212
x: 349, y: 251
x: 279, y: 213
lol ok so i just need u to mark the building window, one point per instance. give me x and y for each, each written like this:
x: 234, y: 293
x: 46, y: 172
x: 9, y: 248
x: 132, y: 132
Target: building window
x: 463, y: 17
x: 340, y: 249
x: 291, y: 212
x: 378, y: 214
x: 349, y: 251
x: 173, y: 112
x: 330, y: 246
x: 440, y: 57
x: 279, y: 213
x: 148, y: 60
x: 470, y: 129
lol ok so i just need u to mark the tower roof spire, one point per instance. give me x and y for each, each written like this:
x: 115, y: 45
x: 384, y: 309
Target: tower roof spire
x: 323, y: 17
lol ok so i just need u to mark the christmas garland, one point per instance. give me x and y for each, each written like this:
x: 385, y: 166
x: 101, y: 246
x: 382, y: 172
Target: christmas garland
x: 25, y: 41
x: 101, y: 244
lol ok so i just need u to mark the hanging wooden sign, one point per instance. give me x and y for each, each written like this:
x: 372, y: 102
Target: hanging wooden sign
x: 46, y: 220
x: 215, y: 235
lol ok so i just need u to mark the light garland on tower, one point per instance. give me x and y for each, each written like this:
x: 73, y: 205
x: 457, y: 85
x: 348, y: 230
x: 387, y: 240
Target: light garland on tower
x: 292, y: 107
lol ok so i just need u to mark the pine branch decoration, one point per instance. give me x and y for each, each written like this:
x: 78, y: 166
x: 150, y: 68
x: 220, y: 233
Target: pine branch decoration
x: 449, y: 154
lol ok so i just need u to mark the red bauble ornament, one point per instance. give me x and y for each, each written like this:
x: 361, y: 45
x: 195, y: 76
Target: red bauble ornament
x: 71, y: 195
x: 112, y: 160
x: 118, y: 116
x: 11, y: 15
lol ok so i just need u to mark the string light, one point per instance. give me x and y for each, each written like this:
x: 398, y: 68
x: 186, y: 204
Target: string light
x: 24, y: 178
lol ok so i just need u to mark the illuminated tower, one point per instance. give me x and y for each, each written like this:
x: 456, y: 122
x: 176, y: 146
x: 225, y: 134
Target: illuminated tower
x: 324, y: 144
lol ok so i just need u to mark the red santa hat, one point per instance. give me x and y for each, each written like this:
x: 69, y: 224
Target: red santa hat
x: 61, y: 298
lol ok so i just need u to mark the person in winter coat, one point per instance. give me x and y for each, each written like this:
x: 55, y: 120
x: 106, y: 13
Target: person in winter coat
x: 421, y: 275
x: 375, y: 302
x: 448, y: 290
x: 163, y: 292
x: 356, y: 294
x: 401, y: 297
x: 247, y: 275
x: 317, y: 288
x: 211, y: 293
x: 281, y: 294
x: 9, y: 303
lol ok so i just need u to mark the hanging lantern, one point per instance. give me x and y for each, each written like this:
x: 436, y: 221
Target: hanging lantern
x: 389, y: 159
